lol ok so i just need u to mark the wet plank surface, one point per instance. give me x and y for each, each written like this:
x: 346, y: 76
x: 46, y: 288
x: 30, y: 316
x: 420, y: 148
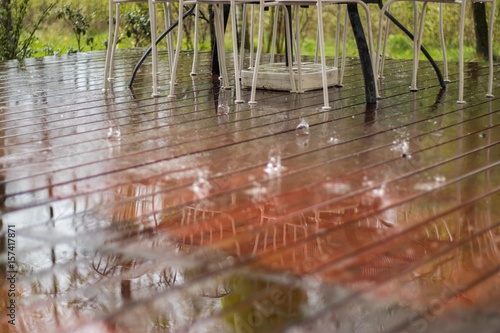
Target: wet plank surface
x: 126, y: 213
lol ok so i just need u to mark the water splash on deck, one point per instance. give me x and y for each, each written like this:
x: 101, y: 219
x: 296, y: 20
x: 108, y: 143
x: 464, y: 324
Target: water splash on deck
x: 114, y: 133
x: 201, y: 187
x: 274, y: 167
x: 303, y: 127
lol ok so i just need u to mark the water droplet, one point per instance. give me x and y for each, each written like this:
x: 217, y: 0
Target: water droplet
x: 273, y: 166
x: 303, y: 127
x: 427, y: 186
x: 114, y: 133
x: 338, y: 188
x: 401, y: 145
x: 366, y: 182
x: 440, y: 179
x: 201, y: 187
x: 333, y: 140
x: 257, y: 192
x: 379, y: 192
x: 222, y: 109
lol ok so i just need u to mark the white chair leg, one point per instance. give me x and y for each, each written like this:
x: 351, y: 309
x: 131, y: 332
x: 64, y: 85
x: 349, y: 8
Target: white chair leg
x: 379, y: 55
x: 321, y: 41
x: 108, y: 68
x: 337, y: 38
x: 259, y: 52
x: 340, y: 82
x: 219, y: 37
x: 418, y: 28
x: 316, y: 52
x: 252, y: 56
x: 384, y: 48
x: 461, y: 55
x: 288, y: 36
x: 297, y: 52
x: 242, y: 36
x: 170, y: 37
x: 370, y: 42
x: 235, y: 53
x: 195, y: 54
x: 275, y: 32
x: 154, y: 48
x: 173, y: 75
x: 490, y: 49
x: 443, y: 44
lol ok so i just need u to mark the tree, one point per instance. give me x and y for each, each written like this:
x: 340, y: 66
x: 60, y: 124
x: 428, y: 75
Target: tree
x: 15, y: 37
x: 77, y: 20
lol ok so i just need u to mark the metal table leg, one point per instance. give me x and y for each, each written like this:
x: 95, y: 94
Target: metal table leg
x: 364, y: 53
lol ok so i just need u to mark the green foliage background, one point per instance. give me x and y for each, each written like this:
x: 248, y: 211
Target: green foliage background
x: 56, y: 37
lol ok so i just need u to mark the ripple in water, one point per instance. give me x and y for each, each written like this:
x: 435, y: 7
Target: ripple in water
x: 303, y: 127
x: 114, y: 133
x: 274, y: 166
x: 201, y: 187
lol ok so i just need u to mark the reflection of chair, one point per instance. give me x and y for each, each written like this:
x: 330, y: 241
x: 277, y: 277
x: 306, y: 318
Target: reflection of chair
x: 418, y: 32
x: 215, y: 223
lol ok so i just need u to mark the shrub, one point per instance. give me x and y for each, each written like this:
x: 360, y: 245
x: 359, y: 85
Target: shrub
x: 16, y: 37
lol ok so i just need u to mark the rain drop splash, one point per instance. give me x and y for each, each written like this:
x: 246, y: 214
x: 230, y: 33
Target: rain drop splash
x: 380, y: 191
x: 303, y: 127
x: 223, y: 104
x: 201, y: 187
x: 402, y: 146
x: 367, y: 183
x: 222, y: 108
x: 258, y: 193
x: 114, y: 133
x: 338, y: 188
x: 429, y: 186
x: 440, y: 179
x: 274, y: 166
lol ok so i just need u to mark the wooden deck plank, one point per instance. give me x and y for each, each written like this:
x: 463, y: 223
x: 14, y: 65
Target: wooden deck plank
x: 372, y: 204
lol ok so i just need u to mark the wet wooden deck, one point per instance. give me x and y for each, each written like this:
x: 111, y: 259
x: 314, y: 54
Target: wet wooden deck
x: 125, y: 213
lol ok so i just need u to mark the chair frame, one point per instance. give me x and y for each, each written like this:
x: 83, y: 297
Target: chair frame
x: 418, y: 28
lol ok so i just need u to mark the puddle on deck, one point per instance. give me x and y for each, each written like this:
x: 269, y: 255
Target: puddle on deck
x: 128, y: 223
x: 131, y: 260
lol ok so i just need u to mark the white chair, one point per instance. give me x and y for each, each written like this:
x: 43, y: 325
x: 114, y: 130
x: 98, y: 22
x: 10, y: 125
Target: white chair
x: 219, y: 28
x: 113, y: 25
x: 319, y: 4
x: 173, y: 59
x: 114, y: 6
x: 418, y: 33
